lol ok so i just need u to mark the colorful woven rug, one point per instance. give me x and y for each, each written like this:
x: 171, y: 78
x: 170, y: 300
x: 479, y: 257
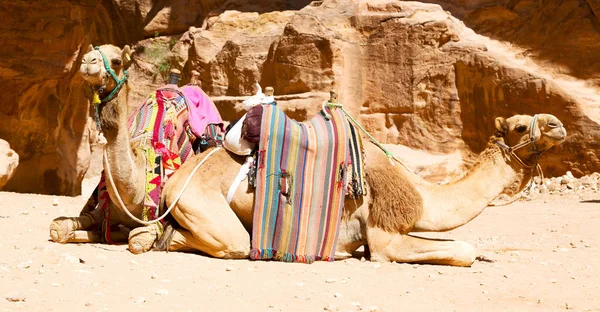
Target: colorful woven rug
x: 300, y: 186
x: 161, y: 129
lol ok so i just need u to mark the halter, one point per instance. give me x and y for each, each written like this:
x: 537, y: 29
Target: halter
x: 96, y: 99
x: 511, y: 150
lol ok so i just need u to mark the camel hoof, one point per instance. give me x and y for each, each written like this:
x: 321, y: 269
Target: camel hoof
x: 141, y: 239
x: 61, y: 230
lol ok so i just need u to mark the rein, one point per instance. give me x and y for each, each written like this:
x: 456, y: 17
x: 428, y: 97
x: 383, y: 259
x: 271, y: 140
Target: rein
x: 96, y: 101
x: 510, y: 150
x: 124, y: 207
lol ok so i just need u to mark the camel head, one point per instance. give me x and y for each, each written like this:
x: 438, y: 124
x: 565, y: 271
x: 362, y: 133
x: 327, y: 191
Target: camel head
x: 103, y: 73
x: 529, y: 136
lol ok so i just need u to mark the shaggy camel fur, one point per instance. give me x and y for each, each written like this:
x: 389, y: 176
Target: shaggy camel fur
x: 126, y: 159
x: 399, y: 202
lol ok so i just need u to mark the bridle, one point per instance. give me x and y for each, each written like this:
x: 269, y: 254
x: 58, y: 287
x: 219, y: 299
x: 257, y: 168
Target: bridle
x: 510, y: 150
x: 96, y: 101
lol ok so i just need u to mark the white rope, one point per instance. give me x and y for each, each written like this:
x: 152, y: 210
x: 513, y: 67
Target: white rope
x: 122, y: 205
x: 241, y: 176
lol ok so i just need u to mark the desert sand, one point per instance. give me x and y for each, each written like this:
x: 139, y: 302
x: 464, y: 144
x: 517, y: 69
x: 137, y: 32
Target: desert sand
x: 537, y: 255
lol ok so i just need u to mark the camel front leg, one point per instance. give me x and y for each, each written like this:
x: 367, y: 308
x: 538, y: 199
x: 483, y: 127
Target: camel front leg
x: 63, y: 229
x: 209, y: 225
x: 385, y: 246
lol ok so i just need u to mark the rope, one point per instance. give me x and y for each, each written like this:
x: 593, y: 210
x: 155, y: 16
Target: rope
x: 122, y: 205
x: 354, y: 121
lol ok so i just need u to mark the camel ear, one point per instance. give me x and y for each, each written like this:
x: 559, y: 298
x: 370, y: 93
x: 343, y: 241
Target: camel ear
x: 501, y: 125
x: 90, y: 48
x: 126, y: 57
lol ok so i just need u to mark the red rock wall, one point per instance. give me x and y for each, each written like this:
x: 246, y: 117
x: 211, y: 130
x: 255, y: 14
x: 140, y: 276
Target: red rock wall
x: 413, y: 75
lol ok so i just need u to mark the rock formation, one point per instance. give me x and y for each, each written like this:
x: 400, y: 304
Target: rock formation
x: 412, y: 73
x: 9, y: 160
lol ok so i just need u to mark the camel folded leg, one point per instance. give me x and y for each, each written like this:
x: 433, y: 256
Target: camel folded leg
x: 209, y: 225
x: 95, y: 237
x: 62, y: 229
x: 385, y: 246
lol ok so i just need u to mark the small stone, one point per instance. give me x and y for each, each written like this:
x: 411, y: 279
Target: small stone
x: 69, y: 258
x: 362, y: 259
x: 337, y: 295
x: 134, y: 262
x: 154, y: 276
x: 570, y: 186
x: 25, y: 265
x: 570, y: 175
x: 24, y: 212
x: 41, y: 271
x: 88, y: 304
x: 330, y: 280
x: 506, y: 276
x: 355, y: 303
x: 330, y: 307
x: 376, y: 266
x: 55, y: 284
x: 553, y: 281
x: 374, y: 309
x: 139, y: 300
x: 229, y: 269
x: 54, y: 201
x: 15, y: 297
x: 44, y: 212
x: 162, y: 292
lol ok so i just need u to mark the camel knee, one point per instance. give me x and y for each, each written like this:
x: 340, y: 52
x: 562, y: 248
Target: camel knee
x: 235, y: 251
x: 62, y: 230
x: 465, y: 254
x: 142, y: 239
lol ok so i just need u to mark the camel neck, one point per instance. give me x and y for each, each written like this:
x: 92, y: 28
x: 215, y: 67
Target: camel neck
x: 119, y: 156
x: 449, y: 206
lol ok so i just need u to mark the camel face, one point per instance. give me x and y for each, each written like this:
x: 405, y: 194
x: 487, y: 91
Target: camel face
x: 548, y: 131
x: 92, y: 67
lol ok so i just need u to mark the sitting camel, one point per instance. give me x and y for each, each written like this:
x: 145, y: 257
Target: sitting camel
x: 398, y: 201
x: 125, y: 160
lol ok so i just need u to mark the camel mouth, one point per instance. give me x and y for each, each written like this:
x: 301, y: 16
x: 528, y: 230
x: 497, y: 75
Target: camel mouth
x: 557, y: 135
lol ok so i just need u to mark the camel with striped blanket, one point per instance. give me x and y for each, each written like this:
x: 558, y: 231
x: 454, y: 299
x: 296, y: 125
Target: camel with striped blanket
x: 398, y: 203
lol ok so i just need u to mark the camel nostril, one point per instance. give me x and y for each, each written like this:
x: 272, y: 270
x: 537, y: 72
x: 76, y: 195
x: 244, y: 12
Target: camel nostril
x: 93, y: 61
x: 554, y: 125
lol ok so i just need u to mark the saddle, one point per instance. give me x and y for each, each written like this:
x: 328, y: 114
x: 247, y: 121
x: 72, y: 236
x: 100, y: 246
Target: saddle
x: 166, y: 127
x: 301, y: 181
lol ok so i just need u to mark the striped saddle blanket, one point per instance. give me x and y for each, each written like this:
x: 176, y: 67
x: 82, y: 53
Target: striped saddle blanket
x: 301, y: 182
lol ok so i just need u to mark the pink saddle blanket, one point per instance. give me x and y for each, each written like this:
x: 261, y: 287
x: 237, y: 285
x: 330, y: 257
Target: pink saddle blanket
x: 202, y: 110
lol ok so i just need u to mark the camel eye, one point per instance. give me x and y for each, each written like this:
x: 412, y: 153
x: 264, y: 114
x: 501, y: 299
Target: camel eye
x: 521, y: 128
x: 116, y: 62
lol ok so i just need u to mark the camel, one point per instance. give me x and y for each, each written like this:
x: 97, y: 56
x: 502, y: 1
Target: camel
x: 398, y: 202
x: 123, y: 159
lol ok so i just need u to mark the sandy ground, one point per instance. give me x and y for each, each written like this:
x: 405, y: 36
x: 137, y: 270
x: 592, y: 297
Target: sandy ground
x: 545, y: 256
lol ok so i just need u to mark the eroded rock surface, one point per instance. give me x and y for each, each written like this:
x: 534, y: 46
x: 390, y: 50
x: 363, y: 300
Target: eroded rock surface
x: 412, y: 73
x: 9, y: 160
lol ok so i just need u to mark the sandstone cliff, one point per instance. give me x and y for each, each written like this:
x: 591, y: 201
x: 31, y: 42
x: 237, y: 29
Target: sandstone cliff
x: 415, y: 74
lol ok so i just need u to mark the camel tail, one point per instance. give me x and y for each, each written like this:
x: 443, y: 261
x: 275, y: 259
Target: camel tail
x: 168, y: 229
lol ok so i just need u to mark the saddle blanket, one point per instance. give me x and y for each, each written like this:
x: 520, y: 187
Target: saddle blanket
x: 300, y: 186
x: 164, y: 127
